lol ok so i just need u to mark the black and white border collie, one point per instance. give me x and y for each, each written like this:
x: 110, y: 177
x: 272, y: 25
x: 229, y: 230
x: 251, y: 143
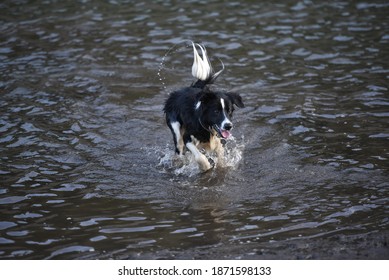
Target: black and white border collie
x: 198, y: 117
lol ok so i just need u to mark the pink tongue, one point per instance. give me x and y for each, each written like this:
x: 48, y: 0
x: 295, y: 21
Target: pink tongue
x: 226, y: 133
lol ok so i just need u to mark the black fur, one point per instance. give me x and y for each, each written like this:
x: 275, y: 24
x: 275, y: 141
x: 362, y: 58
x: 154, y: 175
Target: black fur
x: 198, y: 116
x: 181, y: 107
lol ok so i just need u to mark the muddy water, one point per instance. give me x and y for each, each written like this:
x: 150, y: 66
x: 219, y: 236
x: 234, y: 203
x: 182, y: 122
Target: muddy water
x: 86, y: 163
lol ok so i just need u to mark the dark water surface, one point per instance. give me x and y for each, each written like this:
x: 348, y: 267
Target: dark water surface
x: 86, y: 163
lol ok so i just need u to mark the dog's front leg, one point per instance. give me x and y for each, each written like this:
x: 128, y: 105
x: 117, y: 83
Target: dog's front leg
x: 219, y: 149
x: 216, y: 146
x: 199, y: 157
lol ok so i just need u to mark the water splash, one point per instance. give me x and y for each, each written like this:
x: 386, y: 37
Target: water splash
x: 186, y: 165
x: 163, y: 66
x: 234, y: 152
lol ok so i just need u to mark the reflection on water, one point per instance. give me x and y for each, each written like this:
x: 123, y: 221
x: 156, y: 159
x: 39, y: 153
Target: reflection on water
x: 86, y: 163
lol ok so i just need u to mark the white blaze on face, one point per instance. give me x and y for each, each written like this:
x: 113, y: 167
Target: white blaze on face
x: 222, y: 102
x: 225, y: 121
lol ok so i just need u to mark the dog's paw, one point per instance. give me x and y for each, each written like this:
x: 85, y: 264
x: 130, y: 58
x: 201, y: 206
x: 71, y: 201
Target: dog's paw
x: 211, y: 162
x: 207, y: 165
x: 204, y: 164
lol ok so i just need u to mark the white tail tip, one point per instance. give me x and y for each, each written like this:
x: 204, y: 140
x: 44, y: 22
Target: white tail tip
x: 201, y: 68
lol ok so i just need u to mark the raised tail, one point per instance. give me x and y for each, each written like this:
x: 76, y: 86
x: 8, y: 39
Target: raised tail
x: 202, y: 69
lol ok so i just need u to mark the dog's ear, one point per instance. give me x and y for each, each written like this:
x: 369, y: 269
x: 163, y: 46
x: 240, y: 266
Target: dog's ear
x: 235, y: 99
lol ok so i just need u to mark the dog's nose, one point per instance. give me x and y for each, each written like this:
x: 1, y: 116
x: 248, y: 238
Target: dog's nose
x: 228, y: 126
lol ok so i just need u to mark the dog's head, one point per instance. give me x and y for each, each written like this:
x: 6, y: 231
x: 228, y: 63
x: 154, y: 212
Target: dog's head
x: 214, y: 109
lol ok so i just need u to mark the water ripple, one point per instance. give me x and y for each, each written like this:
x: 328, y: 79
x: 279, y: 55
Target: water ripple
x: 86, y: 161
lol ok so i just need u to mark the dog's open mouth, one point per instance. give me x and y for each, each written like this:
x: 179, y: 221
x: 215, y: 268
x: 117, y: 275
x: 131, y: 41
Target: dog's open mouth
x: 222, y: 133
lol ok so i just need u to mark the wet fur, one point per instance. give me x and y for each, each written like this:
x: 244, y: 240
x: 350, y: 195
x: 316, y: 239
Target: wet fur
x: 199, y: 117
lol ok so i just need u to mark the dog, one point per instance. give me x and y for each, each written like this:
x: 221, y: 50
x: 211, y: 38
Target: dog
x: 198, y: 117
